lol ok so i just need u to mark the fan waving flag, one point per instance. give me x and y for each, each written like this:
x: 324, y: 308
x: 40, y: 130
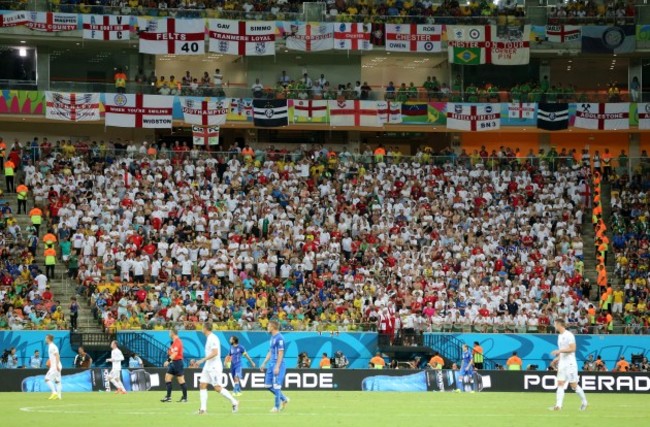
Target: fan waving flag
x: 413, y: 38
x: 249, y: 38
x: 52, y: 22
x: 170, y: 35
x: 72, y: 107
x: 354, y: 113
x: 553, y: 116
x: 473, y: 117
x: 14, y: 19
x: 314, y: 111
x: 389, y: 112
x: 352, y: 36
x: 310, y: 37
x: 138, y: 111
x: 610, y: 116
x: 643, y: 109
x: 270, y: 113
x: 205, y: 136
x: 204, y: 113
x: 106, y: 27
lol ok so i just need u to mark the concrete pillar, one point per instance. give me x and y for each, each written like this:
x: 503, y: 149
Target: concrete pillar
x: 313, y: 11
x: 544, y: 70
x: 635, y: 69
x: 354, y: 141
x: 635, y: 150
x: 42, y: 68
x: 545, y: 142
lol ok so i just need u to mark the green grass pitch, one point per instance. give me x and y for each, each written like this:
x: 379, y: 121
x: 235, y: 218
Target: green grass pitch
x: 330, y: 409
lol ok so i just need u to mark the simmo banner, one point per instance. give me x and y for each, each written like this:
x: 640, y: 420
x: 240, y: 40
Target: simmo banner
x: 245, y: 38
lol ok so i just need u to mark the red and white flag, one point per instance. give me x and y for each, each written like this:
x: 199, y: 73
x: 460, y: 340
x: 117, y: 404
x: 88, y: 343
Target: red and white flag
x: 205, y: 136
x: 352, y: 36
x: 170, y: 35
x: 204, y: 113
x: 521, y: 110
x: 563, y: 33
x: 106, y: 27
x: 354, y: 113
x: 72, y: 107
x: 643, y: 108
x: 473, y: 117
x: 309, y: 110
x: 413, y: 38
x: 14, y: 19
x: 389, y: 112
x: 138, y: 111
x: 310, y: 37
x: 249, y: 38
x: 52, y: 22
x: 609, y: 116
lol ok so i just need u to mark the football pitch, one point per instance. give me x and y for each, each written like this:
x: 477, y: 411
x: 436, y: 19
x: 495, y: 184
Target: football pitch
x: 314, y: 409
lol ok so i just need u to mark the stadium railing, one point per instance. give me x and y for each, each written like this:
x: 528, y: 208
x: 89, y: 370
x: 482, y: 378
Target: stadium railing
x: 377, y: 92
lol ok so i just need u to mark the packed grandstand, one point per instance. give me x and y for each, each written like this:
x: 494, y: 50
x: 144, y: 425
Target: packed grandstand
x: 320, y: 240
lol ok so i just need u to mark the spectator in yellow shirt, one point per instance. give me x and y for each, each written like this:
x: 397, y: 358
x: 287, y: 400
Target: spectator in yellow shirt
x: 617, y: 307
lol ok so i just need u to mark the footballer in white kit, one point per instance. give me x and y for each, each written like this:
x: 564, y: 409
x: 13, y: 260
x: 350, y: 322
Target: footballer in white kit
x: 53, y: 376
x: 567, y: 365
x: 115, y: 376
x: 212, y: 371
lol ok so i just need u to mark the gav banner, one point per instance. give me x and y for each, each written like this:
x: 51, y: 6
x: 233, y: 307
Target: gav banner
x: 371, y: 380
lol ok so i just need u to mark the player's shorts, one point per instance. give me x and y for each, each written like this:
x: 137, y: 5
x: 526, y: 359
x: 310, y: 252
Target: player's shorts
x: 115, y: 374
x: 469, y: 370
x: 176, y: 368
x: 568, y: 373
x: 213, y: 377
x: 53, y: 375
x: 236, y: 371
x: 272, y: 380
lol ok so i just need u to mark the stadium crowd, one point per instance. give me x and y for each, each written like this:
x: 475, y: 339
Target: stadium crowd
x: 395, y: 11
x: 318, y: 239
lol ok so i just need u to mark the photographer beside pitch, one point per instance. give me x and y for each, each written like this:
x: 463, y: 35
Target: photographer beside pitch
x: 567, y: 365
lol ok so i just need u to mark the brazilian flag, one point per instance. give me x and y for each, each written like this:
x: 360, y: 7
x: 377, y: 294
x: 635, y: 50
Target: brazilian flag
x: 467, y: 55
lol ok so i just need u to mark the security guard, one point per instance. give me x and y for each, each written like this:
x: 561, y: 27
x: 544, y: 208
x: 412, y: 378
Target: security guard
x: 478, y: 355
x: 21, y: 195
x: 9, y: 175
x: 50, y: 262
x: 36, y: 215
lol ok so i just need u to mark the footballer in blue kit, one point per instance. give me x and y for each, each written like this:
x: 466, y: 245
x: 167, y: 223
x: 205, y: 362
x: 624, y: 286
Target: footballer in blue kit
x: 235, y: 355
x: 465, y: 377
x: 276, y: 367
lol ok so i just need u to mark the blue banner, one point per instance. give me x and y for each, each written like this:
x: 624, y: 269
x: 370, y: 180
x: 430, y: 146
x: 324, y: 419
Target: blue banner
x: 359, y: 348
x: 26, y: 342
x: 535, y: 349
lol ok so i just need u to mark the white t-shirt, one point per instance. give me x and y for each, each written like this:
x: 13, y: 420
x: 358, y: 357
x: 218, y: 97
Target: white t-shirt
x: 564, y: 340
x: 52, y: 351
x: 116, y: 358
x: 210, y: 344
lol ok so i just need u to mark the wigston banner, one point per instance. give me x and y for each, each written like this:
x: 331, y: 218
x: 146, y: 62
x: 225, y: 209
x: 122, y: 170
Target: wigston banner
x: 138, y: 111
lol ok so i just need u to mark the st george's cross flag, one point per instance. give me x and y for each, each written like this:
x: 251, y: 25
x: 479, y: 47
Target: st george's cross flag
x: 106, y: 27
x: 204, y: 113
x: 172, y: 36
x: 73, y: 107
x: 138, y: 111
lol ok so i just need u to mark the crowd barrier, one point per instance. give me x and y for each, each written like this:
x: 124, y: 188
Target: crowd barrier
x: 136, y: 380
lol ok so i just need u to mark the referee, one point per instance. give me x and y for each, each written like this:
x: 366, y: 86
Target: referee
x: 175, y: 368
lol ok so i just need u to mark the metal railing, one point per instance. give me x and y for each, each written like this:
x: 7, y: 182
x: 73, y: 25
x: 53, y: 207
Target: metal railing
x: 346, y: 91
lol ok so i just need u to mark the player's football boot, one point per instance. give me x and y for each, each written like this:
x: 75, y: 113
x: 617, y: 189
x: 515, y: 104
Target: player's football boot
x: 166, y: 399
x: 235, y: 408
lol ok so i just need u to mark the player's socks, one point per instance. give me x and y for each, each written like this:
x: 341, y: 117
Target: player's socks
x: 59, y: 389
x: 169, y: 389
x: 278, y: 400
x: 559, y: 397
x: 225, y: 393
x: 581, y: 393
x: 237, y: 388
x: 203, y: 397
x: 184, y: 388
x: 50, y: 384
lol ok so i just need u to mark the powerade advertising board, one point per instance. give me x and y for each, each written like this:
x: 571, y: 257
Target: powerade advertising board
x: 136, y: 380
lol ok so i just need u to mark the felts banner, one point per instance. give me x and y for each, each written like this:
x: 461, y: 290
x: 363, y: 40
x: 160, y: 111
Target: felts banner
x: 369, y: 380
